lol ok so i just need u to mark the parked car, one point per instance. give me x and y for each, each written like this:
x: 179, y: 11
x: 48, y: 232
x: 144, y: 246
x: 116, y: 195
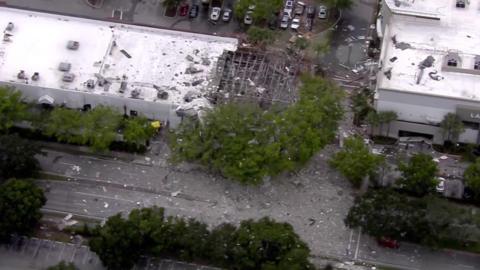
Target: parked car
x: 183, y: 9
x: 295, y: 23
x: 322, y: 12
x: 248, y: 18
x: 288, y: 12
x: 284, y: 21
x: 227, y: 15
x: 388, y: 242
x: 311, y: 12
x: 193, y: 11
x: 300, y: 8
x: 441, y: 184
x: 215, y: 15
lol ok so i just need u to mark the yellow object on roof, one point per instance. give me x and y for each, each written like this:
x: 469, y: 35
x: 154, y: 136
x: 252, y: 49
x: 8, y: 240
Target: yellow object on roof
x: 156, y: 124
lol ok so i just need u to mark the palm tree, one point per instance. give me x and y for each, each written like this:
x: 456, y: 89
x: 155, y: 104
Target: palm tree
x: 387, y: 117
x: 373, y: 120
x: 452, y: 126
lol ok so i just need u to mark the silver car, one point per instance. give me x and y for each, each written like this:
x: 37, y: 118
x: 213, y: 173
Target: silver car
x: 248, y: 18
x: 284, y: 21
x: 322, y: 12
x: 215, y: 13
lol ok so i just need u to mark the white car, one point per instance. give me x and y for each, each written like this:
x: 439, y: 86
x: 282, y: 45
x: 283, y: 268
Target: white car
x: 441, y: 184
x: 215, y: 13
x: 322, y: 12
x: 295, y: 23
x: 248, y: 18
x: 284, y: 21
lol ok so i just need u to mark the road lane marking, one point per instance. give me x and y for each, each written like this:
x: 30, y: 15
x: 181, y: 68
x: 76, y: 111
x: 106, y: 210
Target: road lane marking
x: 358, y: 244
x: 104, y: 197
x: 349, y: 243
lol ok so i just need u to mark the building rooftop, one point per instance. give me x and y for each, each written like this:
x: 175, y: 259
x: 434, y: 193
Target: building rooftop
x: 107, y: 58
x: 432, y: 47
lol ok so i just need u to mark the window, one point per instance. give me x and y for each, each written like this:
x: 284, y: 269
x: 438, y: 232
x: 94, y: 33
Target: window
x: 133, y: 113
x: 477, y: 65
x: 452, y: 62
x: 470, y: 125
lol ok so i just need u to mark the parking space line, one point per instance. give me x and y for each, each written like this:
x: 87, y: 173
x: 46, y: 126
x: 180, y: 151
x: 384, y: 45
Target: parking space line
x: 358, y: 244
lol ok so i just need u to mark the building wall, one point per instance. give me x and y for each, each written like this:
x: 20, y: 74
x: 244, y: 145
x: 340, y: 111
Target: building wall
x: 423, y: 113
x: 163, y: 111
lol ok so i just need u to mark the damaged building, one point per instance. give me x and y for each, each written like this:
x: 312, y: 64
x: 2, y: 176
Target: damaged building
x: 429, y: 66
x: 80, y: 63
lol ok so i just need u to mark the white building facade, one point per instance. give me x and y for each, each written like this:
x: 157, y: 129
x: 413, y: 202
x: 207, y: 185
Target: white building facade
x: 429, y: 66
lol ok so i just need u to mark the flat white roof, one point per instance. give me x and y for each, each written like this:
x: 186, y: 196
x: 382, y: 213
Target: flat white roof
x: 416, y: 38
x: 140, y: 56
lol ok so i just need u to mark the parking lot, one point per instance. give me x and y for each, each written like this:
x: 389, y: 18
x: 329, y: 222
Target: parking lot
x: 33, y: 253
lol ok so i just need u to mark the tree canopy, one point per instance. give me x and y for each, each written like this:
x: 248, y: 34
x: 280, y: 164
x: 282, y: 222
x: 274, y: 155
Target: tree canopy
x: 247, y: 143
x: 66, y: 125
x: 20, y: 203
x: 17, y: 157
x: 12, y: 108
x: 137, y: 130
x: 340, y: 4
x: 387, y: 213
x: 355, y: 161
x: 260, y: 36
x: 452, y: 126
x: 472, y: 178
x: 263, y: 244
x: 418, y: 175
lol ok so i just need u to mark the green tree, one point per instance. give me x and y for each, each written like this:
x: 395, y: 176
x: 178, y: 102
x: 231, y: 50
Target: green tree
x: 20, y: 203
x: 101, y: 126
x: 301, y: 43
x: 355, y: 161
x: 17, y: 157
x: 246, y: 143
x: 260, y: 36
x: 266, y: 244
x: 388, y: 213
x: 137, y: 130
x: 221, y: 243
x: 66, y: 125
x: 452, y: 126
x: 262, y: 12
x: 12, y: 108
x: 118, y: 243
x: 361, y: 105
x: 63, y: 266
x: 472, y: 178
x: 418, y: 176
x: 386, y: 117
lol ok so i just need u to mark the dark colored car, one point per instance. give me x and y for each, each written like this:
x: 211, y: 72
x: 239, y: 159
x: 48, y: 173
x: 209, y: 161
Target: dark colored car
x: 184, y: 9
x: 388, y: 242
x: 311, y: 12
x: 193, y: 11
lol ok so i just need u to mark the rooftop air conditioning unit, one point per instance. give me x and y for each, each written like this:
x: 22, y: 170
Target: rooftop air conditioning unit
x: 73, y: 45
x: 68, y: 77
x: 64, y: 66
x: 460, y: 4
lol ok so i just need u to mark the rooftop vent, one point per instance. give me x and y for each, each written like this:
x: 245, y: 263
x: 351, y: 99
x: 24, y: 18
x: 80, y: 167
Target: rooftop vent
x: 35, y: 76
x: 90, y: 84
x: 68, y: 77
x: 460, y: 4
x: 64, y: 66
x: 73, y: 45
x: 453, y: 60
x: 123, y: 86
x: 9, y: 27
x: 136, y: 93
x: 21, y: 75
